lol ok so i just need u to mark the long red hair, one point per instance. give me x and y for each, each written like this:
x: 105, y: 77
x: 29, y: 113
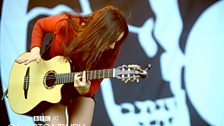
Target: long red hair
x: 101, y: 29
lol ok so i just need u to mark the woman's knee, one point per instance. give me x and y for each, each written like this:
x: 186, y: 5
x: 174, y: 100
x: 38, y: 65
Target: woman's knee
x: 56, y: 114
x: 81, y: 110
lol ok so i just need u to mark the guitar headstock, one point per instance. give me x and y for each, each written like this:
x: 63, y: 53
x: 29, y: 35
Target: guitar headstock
x: 131, y: 72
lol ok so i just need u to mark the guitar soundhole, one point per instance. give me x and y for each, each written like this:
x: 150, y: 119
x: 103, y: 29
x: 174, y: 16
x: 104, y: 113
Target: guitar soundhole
x: 50, y: 79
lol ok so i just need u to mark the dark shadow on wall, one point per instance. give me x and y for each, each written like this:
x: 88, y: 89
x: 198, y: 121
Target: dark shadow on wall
x: 4, y: 120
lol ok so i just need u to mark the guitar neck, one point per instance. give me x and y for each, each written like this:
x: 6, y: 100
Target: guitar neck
x: 90, y: 75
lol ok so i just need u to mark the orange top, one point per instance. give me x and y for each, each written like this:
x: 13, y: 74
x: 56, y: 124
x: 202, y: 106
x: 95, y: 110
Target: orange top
x: 51, y: 24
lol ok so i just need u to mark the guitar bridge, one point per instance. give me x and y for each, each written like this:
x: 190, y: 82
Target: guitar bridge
x: 26, y: 82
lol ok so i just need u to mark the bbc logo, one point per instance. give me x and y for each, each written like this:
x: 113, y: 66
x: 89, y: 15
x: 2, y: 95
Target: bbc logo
x: 42, y: 118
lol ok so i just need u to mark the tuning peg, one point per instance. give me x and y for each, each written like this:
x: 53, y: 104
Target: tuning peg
x: 148, y: 67
x: 124, y: 66
x: 126, y: 81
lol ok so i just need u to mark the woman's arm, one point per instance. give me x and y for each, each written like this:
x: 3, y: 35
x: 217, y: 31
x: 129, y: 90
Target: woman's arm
x: 41, y: 27
x: 33, y: 55
x: 45, y: 25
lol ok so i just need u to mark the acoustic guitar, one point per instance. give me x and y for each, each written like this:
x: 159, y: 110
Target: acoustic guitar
x: 32, y: 84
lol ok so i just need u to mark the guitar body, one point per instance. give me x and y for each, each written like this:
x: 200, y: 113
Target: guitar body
x: 34, y: 86
x: 37, y: 92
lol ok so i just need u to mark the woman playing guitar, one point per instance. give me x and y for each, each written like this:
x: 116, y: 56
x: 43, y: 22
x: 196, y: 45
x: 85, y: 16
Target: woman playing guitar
x: 91, y: 42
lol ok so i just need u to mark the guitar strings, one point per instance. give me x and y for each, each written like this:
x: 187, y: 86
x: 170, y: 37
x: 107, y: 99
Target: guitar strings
x: 97, y: 75
x: 64, y: 76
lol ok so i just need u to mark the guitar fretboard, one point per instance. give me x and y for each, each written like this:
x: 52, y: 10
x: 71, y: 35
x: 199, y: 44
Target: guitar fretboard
x: 90, y: 75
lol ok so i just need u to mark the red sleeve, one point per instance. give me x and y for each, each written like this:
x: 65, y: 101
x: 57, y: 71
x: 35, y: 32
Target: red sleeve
x: 43, y: 26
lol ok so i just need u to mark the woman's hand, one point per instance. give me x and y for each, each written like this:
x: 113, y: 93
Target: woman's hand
x: 80, y: 83
x: 33, y: 55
